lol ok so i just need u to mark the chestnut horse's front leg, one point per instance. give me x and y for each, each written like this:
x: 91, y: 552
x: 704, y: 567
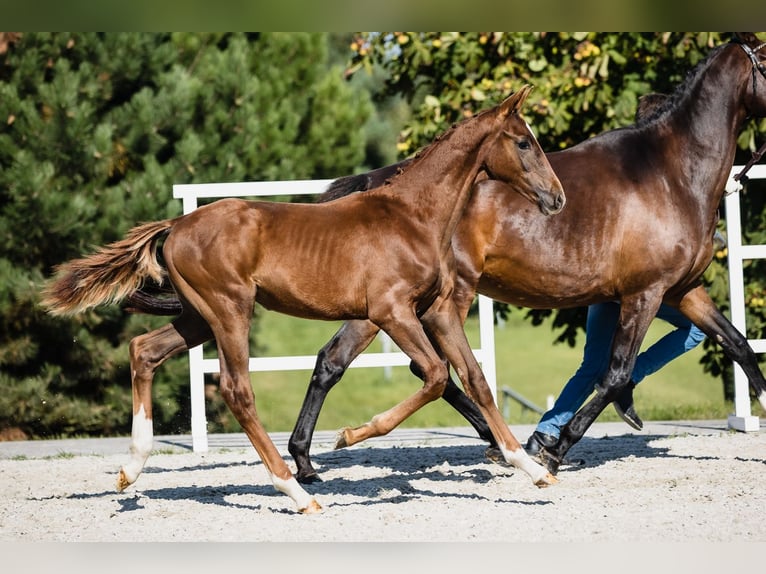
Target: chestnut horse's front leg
x: 444, y: 324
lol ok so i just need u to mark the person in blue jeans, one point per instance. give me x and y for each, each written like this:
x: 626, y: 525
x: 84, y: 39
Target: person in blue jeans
x: 599, y: 328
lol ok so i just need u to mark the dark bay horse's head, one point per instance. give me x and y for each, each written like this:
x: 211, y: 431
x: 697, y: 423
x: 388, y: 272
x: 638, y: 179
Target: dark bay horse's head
x: 755, y: 50
x: 517, y: 158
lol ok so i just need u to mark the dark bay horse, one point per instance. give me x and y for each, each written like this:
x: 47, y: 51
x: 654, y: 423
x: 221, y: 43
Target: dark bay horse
x: 295, y: 258
x: 641, y: 212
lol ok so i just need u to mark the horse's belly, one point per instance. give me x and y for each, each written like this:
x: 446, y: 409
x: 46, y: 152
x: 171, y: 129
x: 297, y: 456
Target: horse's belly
x: 310, y: 306
x: 541, y: 288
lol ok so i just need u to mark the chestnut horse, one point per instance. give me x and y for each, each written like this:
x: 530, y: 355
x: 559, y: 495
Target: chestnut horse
x: 294, y: 258
x: 641, y: 212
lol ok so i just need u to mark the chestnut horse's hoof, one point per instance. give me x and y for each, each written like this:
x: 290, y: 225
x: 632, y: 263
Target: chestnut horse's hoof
x: 340, y: 439
x: 312, y: 508
x: 547, y: 480
x: 122, y: 481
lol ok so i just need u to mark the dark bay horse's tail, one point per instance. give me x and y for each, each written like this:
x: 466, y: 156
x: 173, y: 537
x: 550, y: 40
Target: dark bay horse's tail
x: 112, y: 274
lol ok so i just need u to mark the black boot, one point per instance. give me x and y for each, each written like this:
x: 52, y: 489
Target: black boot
x: 623, y: 404
x: 537, y: 440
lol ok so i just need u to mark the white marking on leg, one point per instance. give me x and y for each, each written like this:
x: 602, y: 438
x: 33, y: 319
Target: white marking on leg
x: 762, y: 399
x: 142, y: 438
x: 521, y: 460
x: 291, y: 488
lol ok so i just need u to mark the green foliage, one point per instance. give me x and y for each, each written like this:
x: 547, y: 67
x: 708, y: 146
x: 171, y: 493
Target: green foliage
x: 94, y: 131
x: 585, y: 83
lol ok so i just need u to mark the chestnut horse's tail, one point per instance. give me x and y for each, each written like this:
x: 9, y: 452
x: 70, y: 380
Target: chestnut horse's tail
x: 110, y: 275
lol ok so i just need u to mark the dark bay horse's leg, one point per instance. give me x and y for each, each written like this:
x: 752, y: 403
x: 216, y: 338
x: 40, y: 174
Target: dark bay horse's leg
x: 332, y: 361
x: 636, y: 314
x: 466, y: 407
x: 700, y: 309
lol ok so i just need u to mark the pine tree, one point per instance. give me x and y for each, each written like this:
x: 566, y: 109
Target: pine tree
x: 94, y: 131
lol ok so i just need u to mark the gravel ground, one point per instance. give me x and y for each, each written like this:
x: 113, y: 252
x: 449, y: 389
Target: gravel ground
x: 672, y: 482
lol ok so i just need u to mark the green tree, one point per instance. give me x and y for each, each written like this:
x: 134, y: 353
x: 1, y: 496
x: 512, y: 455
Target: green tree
x: 95, y: 129
x: 585, y: 83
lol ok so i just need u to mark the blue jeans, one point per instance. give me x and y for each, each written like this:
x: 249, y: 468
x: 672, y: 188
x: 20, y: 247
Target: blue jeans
x: 599, y: 331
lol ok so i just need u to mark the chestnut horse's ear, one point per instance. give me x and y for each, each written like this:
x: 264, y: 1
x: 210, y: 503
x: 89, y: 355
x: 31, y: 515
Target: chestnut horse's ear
x: 513, y: 103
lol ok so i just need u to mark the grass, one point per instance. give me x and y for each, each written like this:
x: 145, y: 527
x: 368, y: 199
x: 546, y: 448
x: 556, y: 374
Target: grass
x: 526, y: 358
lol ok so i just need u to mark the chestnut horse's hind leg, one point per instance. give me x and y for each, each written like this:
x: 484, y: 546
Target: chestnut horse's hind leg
x: 147, y: 353
x: 229, y: 318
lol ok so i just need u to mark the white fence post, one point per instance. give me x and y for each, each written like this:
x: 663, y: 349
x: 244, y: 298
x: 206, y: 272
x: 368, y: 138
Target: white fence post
x: 198, y: 365
x: 742, y: 418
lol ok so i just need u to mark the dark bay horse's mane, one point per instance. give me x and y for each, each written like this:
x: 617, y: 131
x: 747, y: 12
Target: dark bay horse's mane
x: 652, y: 109
x: 349, y: 184
x: 658, y: 112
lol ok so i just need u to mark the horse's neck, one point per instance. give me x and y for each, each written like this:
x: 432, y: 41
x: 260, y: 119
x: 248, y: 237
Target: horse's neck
x: 708, y: 121
x: 438, y: 185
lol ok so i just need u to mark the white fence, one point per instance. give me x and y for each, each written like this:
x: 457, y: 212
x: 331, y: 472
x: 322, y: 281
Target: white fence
x: 741, y: 419
x: 199, y: 366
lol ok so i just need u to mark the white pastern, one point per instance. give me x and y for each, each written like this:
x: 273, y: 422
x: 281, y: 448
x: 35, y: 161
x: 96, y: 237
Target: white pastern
x: 142, y: 438
x: 291, y: 488
x: 762, y: 399
x: 521, y: 460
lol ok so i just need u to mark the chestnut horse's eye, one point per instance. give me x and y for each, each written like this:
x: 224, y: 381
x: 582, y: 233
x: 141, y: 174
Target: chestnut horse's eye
x: 525, y: 145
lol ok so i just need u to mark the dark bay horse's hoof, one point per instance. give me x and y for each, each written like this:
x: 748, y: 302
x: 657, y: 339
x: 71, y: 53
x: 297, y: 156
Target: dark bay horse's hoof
x: 493, y: 454
x: 308, y: 478
x: 553, y: 463
x: 548, y: 460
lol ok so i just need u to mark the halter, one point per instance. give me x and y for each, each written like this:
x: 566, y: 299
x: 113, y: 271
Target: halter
x: 761, y: 67
x: 752, y: 54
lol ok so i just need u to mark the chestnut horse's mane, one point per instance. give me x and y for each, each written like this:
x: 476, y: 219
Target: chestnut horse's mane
x: 349, y: 184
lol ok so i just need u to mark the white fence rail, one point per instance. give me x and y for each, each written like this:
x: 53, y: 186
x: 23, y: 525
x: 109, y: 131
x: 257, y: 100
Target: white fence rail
x: 190, y: 194
x: 199, y: 366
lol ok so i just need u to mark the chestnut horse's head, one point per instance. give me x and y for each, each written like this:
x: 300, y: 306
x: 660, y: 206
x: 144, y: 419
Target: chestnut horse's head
x: 517, y: 158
